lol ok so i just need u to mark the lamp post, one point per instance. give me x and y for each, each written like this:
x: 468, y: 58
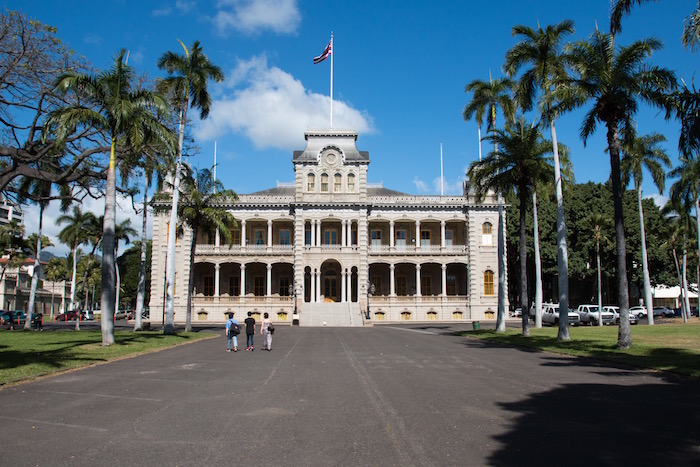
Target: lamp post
x: 370, y: 291
x: 293, y: 293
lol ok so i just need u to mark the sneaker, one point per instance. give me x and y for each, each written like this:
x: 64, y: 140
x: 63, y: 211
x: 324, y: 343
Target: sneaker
x: 228, y: 350
x: 251, y: 349
x: 235, y: 349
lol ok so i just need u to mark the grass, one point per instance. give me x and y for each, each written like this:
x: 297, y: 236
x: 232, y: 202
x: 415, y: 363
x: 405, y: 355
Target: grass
x: 27, y: 355
x: 664, y: 347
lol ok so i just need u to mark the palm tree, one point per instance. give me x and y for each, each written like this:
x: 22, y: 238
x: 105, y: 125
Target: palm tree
x: 519, y: 164
x: 93, y: 236
x: 74, y: 235
x: 614, y: 81
x: 639, y: 153
x: 677, y: 210
x: 687, y: 191
x: 541, y: 50
x: 55, y: 271
x: 691, y: 29
x: 120, y: 111
x: 122, y: 231
x: 485, y: 98
x: 598, y: 224
x: 187, y: 86
x: 201, y: 212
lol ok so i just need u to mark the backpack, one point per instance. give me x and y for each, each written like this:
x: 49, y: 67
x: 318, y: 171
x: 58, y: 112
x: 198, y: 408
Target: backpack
x: 270, y: 328
x: 234, y: 330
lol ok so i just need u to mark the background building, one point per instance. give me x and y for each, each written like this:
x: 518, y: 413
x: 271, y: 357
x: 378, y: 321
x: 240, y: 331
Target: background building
x: 333, y: 249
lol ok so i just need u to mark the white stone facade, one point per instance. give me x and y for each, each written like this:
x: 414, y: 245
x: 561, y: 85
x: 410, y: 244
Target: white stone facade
x: 313, y: 249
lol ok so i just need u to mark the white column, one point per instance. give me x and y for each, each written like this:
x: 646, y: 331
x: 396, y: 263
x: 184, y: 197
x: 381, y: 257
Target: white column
x: 217, y: 270
x: 318, y: 285
x: 417, y: 235
x: 217, y: 238
x: 242, y: 280
x: 243, y: 237
x: 391, y: 235
x: 343, y: 236
x: 349, y: 285
x: 350, y: 232
x: 269, y: 280
x: 442, y: 235
x: 318, y: 233
x: 418, y: 293
x: 444, y: 280
x: 313, y: 286
x: 392, y: 283
x: 269, y: 234
x: 343, y: 299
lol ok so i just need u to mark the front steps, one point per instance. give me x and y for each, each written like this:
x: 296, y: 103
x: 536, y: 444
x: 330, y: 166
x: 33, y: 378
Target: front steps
x: 330, y: 314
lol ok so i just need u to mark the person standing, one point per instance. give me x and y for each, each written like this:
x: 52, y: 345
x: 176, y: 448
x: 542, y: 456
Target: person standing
x: 12, y: 320
x: 265, y: 331
x: 249, y: 331
x: 232, y: 331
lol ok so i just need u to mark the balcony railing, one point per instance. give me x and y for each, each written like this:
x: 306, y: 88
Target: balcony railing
x: 423, y: 250
x: 203, y: 249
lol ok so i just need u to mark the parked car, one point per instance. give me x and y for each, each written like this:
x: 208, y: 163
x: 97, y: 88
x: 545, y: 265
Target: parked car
x: 639, y: 311
x: 18, y: 316
x: 663, y: 311
x: 550, y: 314
x: 70, y: 316
x: 589, y: 314
x: 517, y: 313
x: 122, y: 314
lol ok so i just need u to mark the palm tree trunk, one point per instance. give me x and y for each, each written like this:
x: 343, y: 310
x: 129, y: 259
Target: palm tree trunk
x: 108, y: 273
x: 686, y: 298
x: 36, y: 273
x: 523, y: 262
x: 624, y: 337
x: 648, y: 299
x: 501, y: 252
x: 600, y: 284
x: 118, y: 280
x: 141, y: 288
x: 538, y: 265
x: 73, y: 278
x: 562, y: 251
x: 697, y: 225
x: 190, y: 283
x: 169, y: 326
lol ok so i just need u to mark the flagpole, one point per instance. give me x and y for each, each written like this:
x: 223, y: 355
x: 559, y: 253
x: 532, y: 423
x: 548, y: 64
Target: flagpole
x: 332, y: 53
x: 442, y: 180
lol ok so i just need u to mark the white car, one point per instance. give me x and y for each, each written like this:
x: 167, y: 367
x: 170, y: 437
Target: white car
x: 639, y: 311
x: 589, y: 314
x: 616, y: 310
x: 550, y: 314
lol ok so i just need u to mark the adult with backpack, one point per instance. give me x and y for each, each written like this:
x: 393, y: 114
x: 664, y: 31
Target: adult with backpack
x: 232, y: 331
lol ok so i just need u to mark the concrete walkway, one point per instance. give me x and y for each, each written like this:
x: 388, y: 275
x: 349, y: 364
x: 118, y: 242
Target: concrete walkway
x: 387, y: 395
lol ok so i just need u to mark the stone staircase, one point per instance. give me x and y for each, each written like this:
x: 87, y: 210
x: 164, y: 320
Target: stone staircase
x: 331, y: 314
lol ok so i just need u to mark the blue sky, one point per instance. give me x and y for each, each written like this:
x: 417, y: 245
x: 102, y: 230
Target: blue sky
x: 400, y: 68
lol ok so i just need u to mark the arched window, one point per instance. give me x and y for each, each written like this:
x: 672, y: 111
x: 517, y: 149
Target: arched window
x: 487, y: 234
x: 337, y: 183
x: 432, y: 316
x: 324, y: 183
x: 311, y: 182
x: 351, y: 183
x: 488, y: 282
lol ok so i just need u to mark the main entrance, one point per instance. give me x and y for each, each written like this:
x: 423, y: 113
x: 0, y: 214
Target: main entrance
x: 330, y: 281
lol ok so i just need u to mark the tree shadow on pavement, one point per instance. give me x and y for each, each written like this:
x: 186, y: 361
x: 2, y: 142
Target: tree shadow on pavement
x: 604, y: 424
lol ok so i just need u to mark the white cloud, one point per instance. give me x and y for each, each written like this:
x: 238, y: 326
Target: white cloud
x: 51, y: 229
x: 449, y: 188
x: 161, y: 12
x: 254, y: 16
x: 273, y: 109
x: 421, y: 186
x: 184, y: 6
x: 659, y: 200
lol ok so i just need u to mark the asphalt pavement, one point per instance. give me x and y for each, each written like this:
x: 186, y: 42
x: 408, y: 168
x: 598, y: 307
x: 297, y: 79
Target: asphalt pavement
x: 383, y: 395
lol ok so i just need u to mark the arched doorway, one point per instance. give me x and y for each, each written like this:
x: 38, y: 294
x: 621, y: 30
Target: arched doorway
x: 330, y: 281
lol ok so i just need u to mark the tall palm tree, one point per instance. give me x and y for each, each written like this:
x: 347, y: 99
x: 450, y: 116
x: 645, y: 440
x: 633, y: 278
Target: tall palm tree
x: 122, y: 231
x: 122, y: 112
x: 55, y: 271
x: 687, y: 190
x: 74, y: 235
x: 644, y: 152
x: 486, y: 97
x: 613, y: 82
x: 519, y: 164
x: 541, y: 50
x: 598, y: 224
x: 677, y: 210
x: 187, y: 86
x: 93, y: 235
x: 201, y: 212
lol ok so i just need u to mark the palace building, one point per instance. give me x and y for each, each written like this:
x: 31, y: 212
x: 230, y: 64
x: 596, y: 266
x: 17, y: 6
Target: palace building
x: 332, y: 249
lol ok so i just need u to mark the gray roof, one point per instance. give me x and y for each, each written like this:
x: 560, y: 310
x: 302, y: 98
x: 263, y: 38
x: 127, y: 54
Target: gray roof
x: 276, y: 191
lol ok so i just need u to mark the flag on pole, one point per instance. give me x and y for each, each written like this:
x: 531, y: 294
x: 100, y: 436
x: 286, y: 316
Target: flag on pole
x: 324, y: 55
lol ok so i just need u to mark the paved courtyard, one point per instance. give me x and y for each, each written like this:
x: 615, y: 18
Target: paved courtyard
x: 389, y: 395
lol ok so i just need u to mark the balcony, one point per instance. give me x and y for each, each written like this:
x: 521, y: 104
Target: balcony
x: 412, y: 250
x: 226, y: 250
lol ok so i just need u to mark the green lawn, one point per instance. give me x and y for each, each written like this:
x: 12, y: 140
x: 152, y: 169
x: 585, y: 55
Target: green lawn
x: 668, y: 347
x: 29, y: 354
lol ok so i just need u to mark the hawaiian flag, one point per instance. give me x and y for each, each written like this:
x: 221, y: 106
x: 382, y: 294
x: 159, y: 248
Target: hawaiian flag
x: 326, y: 52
